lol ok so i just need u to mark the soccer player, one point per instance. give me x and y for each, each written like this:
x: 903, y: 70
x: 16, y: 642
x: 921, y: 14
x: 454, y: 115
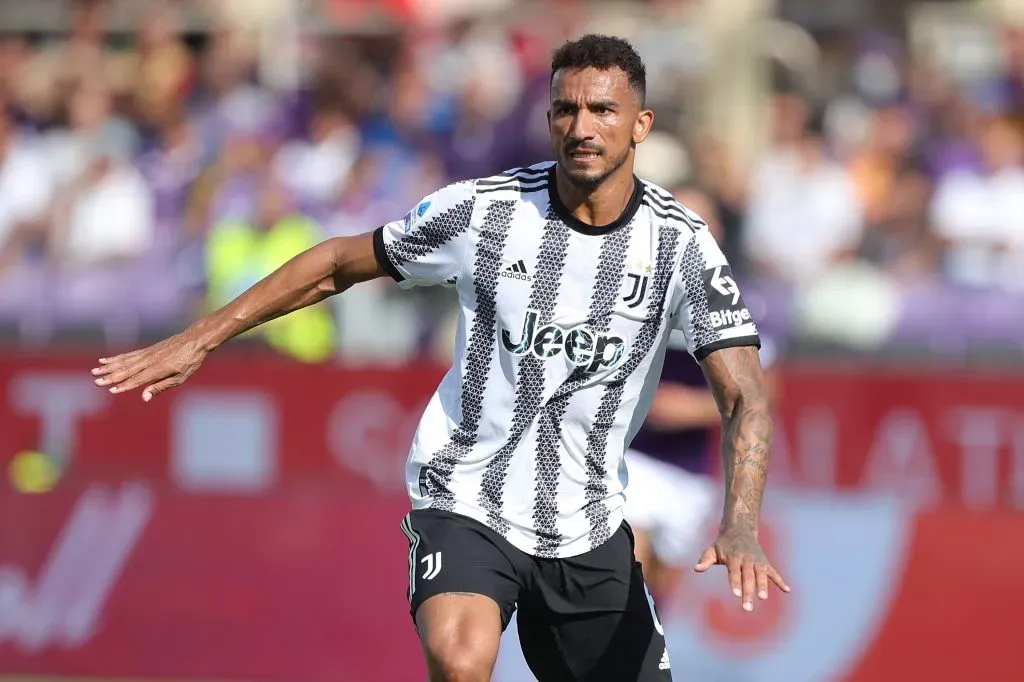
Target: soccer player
x: 570, y: 276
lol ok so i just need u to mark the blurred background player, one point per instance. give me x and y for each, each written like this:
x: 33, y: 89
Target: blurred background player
x: 673, y: 492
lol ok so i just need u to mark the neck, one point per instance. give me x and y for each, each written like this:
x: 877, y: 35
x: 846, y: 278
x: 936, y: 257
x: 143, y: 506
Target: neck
x: 600, y: 205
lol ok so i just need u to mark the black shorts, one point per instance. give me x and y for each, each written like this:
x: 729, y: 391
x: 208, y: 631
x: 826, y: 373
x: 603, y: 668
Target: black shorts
x: 589, y: 617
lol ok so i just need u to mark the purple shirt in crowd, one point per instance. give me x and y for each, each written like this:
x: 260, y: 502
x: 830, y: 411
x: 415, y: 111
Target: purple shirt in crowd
x: 685, y: 448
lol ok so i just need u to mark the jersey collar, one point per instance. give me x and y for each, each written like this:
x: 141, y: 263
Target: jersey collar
x: 578, y: 225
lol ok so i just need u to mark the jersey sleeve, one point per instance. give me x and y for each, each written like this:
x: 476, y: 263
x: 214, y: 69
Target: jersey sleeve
x: 710, y: 311
x: 430, y: 245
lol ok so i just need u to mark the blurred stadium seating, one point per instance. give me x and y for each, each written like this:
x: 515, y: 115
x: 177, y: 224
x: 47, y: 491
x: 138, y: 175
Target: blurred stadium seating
x: 862, y: 161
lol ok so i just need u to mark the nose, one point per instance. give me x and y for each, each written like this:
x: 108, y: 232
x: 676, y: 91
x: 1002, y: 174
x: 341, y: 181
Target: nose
x: 582, y: 126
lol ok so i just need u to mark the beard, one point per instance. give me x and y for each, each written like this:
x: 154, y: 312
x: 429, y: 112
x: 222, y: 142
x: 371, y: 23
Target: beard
x: 590, y: 179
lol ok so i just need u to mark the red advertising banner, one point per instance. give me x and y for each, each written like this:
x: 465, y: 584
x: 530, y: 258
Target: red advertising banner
x: 243, y: 422
x: 247, y: 422
x: 930, y: 435
x: 307, y: 583
x: 125, y: 581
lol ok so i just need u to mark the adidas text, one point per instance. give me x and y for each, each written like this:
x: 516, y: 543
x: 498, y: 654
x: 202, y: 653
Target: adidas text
x: 516, y: 271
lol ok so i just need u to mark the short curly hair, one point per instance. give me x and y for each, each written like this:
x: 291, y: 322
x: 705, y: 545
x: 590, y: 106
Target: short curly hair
x: 603, y: 52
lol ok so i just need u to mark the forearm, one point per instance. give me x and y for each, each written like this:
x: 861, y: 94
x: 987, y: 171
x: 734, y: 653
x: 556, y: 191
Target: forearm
x: 737, y: 380
x: 746, y: 448
x: 310, y: 277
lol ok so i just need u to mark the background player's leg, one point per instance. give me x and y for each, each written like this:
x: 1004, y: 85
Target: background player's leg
x: 649, y: 500
x: 644, y: 551
x: 460, y: 634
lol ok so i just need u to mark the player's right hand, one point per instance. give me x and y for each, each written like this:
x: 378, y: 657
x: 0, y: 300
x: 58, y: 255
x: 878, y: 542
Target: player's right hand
x: 159, y: 367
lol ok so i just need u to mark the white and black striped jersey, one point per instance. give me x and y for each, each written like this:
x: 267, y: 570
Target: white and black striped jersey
x: 560, y: 344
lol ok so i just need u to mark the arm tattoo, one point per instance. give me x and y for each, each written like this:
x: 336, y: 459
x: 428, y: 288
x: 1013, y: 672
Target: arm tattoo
x: 736, y: 379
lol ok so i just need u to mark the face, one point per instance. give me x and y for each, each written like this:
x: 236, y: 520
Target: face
x: 595, y: 121
x: 90, y: 106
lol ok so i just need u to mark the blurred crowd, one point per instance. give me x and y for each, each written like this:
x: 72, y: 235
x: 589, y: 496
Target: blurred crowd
x: 148, y: 178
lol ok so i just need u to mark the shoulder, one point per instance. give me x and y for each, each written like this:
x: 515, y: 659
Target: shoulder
x: 455, y: 198
x: 666, y: 212
x: 515, y: 182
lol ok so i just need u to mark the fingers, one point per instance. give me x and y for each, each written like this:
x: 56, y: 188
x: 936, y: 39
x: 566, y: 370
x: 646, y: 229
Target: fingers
x: 748, y: 581
x: 761, y: 577
x: 707, y: 559
x: 159, y: 387
x: 116, y: 377
x: 121, y: 378
x: 108, y: 364
x: 133, y: 382
x: 736, y: 576
x: 777, y: 579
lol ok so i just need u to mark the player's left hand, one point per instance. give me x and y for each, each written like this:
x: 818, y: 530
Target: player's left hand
x: 749, y: 570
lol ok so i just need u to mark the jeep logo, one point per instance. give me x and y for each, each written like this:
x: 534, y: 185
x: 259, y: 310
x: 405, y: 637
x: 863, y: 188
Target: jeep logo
x: 583, y: 347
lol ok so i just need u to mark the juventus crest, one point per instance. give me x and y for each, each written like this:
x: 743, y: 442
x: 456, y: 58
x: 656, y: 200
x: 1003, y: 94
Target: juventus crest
x: 639, y: 277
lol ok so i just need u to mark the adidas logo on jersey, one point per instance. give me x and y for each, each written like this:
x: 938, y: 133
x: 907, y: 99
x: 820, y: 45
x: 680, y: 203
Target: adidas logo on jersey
x: 517, y: 271
x: 664, y: 663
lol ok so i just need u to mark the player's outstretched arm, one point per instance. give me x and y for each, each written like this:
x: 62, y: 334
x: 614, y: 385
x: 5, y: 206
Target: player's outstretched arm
x: 737, y: 381
x: 315, y: 274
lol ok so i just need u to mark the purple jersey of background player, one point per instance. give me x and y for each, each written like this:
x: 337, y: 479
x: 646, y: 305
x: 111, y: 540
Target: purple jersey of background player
x: 685, y: 448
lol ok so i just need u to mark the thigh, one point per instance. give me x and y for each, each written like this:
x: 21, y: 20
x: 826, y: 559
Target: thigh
x: 460, y: 634
x: 452, y: 554
x: 592, y: 619
x: 462, y: 592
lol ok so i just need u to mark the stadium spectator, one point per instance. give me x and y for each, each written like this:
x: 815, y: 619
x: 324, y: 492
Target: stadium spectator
x: 979, y: 214
x: 106, y: 214
x: 26, y: 189
x: 241, y: 251
x: 803, y: 212
x: 316, y: 169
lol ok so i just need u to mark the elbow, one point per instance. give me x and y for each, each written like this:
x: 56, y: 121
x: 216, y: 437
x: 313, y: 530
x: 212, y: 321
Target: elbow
x: 739, y: 404
x: 333, y: 255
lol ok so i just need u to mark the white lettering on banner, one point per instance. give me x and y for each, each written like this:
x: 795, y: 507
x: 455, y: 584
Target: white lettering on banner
x: 369, y: 433
x: 78, y: 575
x: 978, y: 430
x: 223, y: 441
x: 816, y: 438
x: 906, y: 444
x: 1017, y: 466
x: 902, y: 458
x: 819, y: 445
x: 59, y: 399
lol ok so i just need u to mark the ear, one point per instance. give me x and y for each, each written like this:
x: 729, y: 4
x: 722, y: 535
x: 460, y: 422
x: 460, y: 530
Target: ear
x: 642, y: 125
